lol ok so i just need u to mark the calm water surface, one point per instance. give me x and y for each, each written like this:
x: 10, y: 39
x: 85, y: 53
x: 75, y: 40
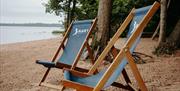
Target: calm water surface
x: 13, y: 34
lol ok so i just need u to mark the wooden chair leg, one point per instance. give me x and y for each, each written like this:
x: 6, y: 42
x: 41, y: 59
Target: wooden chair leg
x: 135, y: 70
x: 126, y: 77
x: 44, y: 77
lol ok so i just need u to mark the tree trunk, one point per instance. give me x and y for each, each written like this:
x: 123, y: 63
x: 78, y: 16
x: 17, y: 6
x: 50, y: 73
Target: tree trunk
x: 68, y: 14
x: 156, y: 31
x: 168, y: 45
x: 175, y: 36
x: 163, y: 15
x: 104, y: 15
x: 73, y: 11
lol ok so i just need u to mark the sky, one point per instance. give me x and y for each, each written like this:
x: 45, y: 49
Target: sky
x: 26, y: 11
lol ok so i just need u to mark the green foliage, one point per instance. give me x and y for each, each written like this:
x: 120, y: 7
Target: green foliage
x: 58, y: 32
x: 87, y: 9
x: 55, y: 6
x: 73, y: 9
x: 121, y: 9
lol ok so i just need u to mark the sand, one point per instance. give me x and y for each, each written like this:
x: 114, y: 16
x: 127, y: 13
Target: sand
x: 19, y: 72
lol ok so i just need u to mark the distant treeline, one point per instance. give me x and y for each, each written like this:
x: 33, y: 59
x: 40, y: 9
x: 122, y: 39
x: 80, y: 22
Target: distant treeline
x: 31, y: 24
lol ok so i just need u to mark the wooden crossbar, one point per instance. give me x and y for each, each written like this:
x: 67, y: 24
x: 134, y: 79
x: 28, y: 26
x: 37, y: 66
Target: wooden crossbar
x: 77, y: 86
x: 52, y: 86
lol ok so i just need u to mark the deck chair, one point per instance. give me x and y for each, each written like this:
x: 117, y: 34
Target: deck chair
x: 139, y: 18
x: 74, y: 42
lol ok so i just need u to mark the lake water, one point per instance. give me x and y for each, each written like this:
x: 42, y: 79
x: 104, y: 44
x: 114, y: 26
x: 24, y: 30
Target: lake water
x: 14, y: 34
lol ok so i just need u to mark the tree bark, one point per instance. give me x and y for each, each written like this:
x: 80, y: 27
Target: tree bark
x: 168, y: 45
x: 68, y: 14
x: 73, y: 11
x: 156, y: 31
x: 104, y: 15
x: 175, y: 35
x: 163, y: 17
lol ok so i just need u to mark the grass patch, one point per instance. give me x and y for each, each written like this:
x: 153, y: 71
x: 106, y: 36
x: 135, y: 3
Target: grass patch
x: 57, y: 32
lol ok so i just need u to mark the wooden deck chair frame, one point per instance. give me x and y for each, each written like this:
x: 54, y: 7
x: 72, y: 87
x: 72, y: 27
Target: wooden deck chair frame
x: 73, y: 66
x: 124, y: 52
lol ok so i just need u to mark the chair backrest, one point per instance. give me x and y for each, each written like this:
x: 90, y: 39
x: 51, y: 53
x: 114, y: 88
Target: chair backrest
x: 79, y: 32
x: 138, y: 17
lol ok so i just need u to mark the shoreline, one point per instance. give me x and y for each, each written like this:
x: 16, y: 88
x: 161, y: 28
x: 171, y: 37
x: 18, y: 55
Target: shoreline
x: 11, y: 35
x: 38, y: 40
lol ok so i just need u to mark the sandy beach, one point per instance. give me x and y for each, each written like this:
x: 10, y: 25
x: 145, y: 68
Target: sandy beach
x: 19, y: 72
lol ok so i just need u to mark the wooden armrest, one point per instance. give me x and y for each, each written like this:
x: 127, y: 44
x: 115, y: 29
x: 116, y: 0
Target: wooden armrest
x: 76, y: 73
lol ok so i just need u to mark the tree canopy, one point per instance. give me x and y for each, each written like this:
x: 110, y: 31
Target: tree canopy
x: 88, y: 9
